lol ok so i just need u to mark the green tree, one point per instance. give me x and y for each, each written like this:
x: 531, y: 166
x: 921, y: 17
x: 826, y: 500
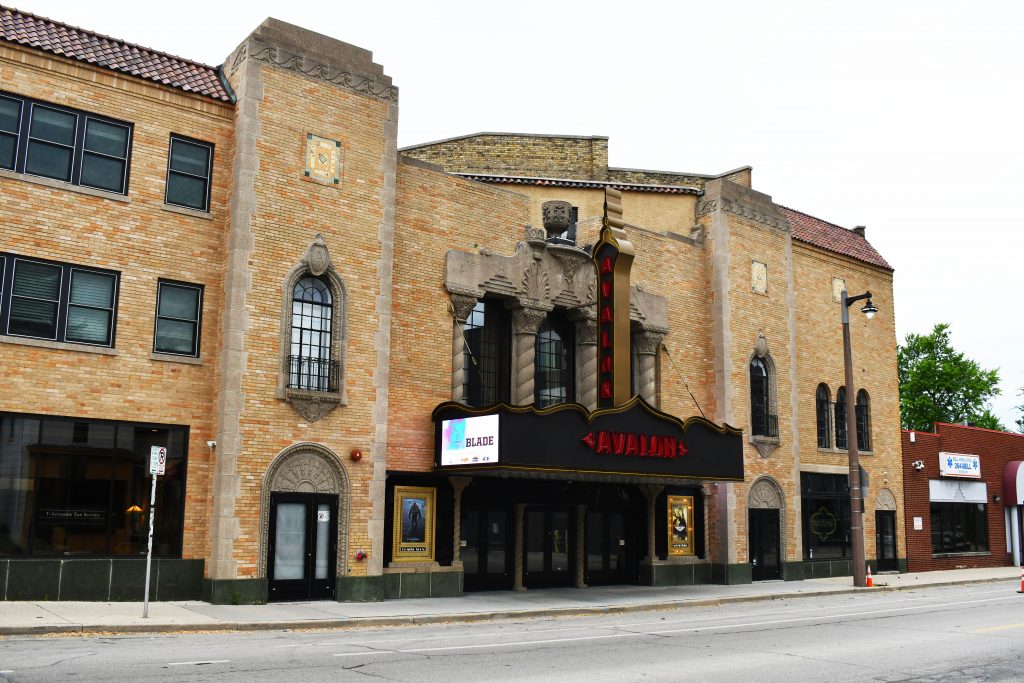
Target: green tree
x: 940, y: 384
x: 1020, y: 420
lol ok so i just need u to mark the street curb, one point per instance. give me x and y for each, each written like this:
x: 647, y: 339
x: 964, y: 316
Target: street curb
x: 462, y: 617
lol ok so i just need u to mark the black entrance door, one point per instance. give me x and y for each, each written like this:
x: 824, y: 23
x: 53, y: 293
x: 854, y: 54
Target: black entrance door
x: 605, y: 548
x: 764, y: 545
x: 548, y: 547
x: 302, y: 552
x: 486, y: 549
x: 885, y: 540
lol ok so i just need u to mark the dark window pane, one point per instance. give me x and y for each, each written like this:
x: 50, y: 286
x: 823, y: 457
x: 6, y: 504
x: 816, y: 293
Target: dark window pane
x: 102, y: 172
x: 186, y: 191
x: 10, y: 114
x: 38, y: 280
x: 190, y: 158
x: 89, y: 325
x: 92, y: 289
x: 179, y: 302
x: 175, y: 336
x: 7, y: 147
x: 33, y: 318
x: 52, y: 125
x: 49, y: 161
x: 106, y: 138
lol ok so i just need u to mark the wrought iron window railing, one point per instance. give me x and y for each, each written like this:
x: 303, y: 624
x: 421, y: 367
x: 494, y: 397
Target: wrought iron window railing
x: 313, y: 374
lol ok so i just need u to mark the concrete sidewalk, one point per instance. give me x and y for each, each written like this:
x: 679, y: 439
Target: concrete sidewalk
x: 19, y: 618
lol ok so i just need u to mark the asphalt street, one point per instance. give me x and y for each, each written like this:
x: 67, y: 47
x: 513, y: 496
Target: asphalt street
x: 950, y: 633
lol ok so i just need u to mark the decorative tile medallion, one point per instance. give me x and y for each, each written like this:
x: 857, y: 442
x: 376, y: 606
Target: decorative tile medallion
x: 323, y: 160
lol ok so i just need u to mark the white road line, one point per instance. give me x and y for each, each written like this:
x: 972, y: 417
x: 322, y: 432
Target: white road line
x: 489, y: 645
x: 825, y: 616
x: 667, y: 631
x: 207, y: 661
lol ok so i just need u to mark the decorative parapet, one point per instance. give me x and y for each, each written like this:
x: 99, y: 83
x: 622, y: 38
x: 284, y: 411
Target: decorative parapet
x: 315, y: 56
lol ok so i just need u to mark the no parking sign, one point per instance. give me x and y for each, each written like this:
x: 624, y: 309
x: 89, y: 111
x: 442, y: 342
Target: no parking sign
x: 157, y: 459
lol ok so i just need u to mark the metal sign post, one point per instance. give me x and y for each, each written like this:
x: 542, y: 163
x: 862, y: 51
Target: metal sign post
x: 157, y: 466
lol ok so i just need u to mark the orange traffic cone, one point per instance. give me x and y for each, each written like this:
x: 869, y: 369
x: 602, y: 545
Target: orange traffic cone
x: 1021, y: 580
x: 871, y: 583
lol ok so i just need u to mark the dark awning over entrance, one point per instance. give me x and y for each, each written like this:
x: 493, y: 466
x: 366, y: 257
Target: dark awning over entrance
x: 633, y: 439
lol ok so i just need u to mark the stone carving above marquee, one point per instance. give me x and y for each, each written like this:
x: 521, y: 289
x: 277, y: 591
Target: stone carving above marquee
x: 540, y: 275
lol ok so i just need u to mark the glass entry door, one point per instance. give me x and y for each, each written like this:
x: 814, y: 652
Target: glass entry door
x: 302, y: 549
x: 885, y: 540
x: 548, y: 547
x: 606, y: 548
x: 764, y: 545
x: 486, y: 550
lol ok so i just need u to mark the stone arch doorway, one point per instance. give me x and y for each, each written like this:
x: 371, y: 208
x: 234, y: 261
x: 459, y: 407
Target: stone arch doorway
x: 304, y: 519
x: 766, y: 520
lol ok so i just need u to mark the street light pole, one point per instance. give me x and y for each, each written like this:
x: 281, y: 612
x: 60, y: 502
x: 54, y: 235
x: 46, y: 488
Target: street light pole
x: 856, y: 500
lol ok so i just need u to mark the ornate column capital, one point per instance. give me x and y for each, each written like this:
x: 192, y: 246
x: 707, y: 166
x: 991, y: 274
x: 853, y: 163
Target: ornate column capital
x: 647, y: 342
x: 527, y: 320
x: 462, y: 306
x: 586, y: 326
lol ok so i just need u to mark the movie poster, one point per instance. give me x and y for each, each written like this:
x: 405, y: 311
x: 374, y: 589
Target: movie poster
x: 680, y: 525
x: 413, y: 525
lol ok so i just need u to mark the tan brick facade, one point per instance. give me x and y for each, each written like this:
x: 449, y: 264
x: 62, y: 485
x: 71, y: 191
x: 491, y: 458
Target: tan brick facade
x: 382, y: 238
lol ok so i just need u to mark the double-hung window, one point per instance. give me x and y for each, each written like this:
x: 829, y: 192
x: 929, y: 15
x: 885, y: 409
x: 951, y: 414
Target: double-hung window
x: 178, y: 311
x: 189, y: 165
x: 57, y: 301
x: 68, y: 145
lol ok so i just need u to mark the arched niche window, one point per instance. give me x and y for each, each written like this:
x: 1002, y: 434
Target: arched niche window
x: 487, y: 354
x: 314, y: 335
x: 310, y: 365
x: 554, y: 380
x: 841, y: 418
x: 863, y: 417
x: 762, y: 422
x: 822, y: 404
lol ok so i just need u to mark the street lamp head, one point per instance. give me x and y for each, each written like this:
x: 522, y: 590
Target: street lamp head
x: 869, y: 309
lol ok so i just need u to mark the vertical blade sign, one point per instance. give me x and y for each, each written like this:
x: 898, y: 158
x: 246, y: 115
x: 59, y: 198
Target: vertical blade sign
x: 613, y: 258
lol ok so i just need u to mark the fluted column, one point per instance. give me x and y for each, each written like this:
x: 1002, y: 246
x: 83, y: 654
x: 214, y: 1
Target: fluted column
x: 517, y: 579
x: 525, y: 323
x: 646, y: 344
x: 586, y: 351
x: 462, y: 306
x: 458, y: 484
x: 651, y: 492
x: 581, y: 528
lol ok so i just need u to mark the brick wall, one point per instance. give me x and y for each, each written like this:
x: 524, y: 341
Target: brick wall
x: 435, y: 213
x: 290, y: 211
x: 995, y: 449
x: 544, y: 156
x: 140, y: 239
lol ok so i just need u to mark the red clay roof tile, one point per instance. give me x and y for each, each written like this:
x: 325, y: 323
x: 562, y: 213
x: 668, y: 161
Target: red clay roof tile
x: 85, y: 46
x: 832, y: 237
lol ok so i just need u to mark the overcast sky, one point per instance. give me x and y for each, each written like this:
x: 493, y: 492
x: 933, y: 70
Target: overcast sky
x: 904, y: 117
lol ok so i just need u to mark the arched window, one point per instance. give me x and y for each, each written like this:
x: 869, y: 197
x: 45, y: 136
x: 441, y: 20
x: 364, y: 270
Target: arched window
x: 309, y: 363
x: 822, y: 402
x: 863, y: 416
x: 486, y: 361
x: 554, y: 380
x: 841, y: 418
x: 761, y: 423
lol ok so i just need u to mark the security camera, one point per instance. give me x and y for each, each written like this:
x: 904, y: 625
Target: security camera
x: 211, y: 444
x: 917, y: 465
